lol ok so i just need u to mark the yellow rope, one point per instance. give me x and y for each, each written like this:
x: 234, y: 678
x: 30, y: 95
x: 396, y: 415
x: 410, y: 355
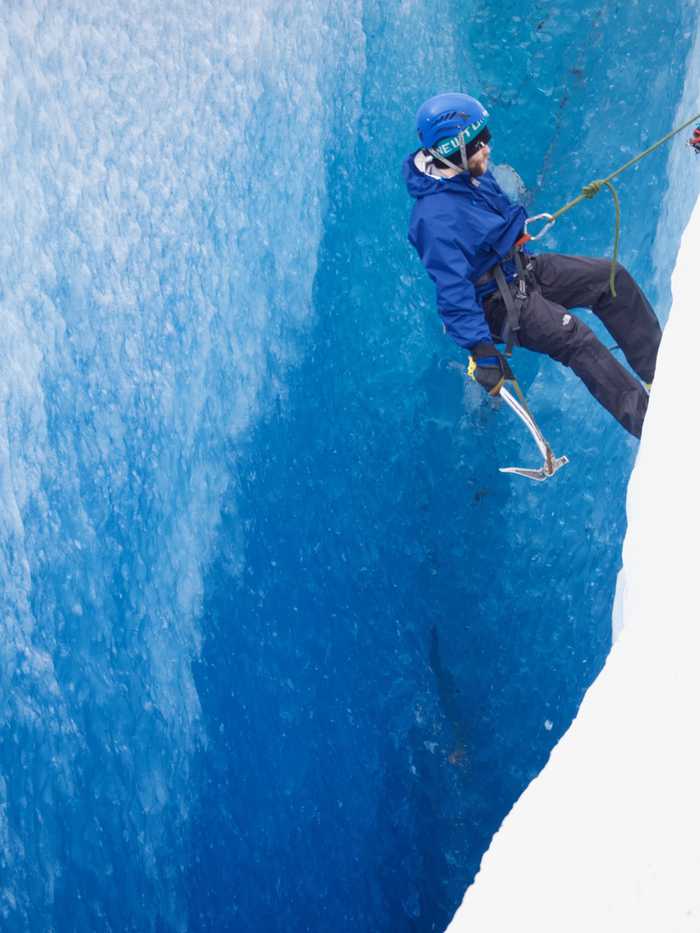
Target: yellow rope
x: 592, y: 188
x: 590, y: 191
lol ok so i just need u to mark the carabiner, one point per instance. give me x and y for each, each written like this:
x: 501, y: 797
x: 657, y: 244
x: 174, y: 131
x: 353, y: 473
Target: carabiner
x: 549, y: 217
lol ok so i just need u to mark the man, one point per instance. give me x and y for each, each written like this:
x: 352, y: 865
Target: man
x: 465, y: 230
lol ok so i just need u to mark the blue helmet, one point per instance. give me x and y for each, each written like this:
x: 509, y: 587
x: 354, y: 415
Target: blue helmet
x: 446, y: 118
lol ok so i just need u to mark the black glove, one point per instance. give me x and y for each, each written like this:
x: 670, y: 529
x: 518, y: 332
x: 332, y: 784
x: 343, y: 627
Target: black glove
x: 491, y: 368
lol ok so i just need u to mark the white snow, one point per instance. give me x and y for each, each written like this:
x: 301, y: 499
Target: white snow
x: 607, y: 837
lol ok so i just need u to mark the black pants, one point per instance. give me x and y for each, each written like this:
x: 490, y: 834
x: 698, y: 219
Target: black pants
x: 557, y: 283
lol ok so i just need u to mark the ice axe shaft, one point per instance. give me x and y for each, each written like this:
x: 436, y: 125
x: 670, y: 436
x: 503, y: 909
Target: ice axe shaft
x: 551, y: 463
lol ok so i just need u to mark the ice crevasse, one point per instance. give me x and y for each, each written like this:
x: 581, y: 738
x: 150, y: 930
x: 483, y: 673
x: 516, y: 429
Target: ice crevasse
x: 252, y: 529
x: 605, y: 838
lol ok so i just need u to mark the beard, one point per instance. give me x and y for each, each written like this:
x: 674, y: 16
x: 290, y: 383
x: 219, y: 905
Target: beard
x: 478, y: 165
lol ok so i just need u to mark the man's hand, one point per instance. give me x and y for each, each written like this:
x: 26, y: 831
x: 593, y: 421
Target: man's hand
x: 491, y: 368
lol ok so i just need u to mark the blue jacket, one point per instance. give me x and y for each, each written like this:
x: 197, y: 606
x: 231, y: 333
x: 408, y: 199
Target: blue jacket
x: 461, y: 227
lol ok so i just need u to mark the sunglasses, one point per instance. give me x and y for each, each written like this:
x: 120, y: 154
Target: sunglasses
x: 479, y: 142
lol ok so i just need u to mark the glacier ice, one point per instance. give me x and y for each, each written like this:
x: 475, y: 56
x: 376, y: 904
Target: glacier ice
x: 605, y: 838
x: 252, y: 536
x: 140, y: 280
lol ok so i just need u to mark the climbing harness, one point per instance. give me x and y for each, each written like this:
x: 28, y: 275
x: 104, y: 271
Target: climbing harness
x: 519, y: 406
x: 591, y: 190
x: 514, y: 304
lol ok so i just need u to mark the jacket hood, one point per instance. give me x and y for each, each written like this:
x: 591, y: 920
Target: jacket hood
x: 420, y: 185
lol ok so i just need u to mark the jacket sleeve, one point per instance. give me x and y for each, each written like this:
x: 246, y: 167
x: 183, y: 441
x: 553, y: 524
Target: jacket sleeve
x: 450, y: 269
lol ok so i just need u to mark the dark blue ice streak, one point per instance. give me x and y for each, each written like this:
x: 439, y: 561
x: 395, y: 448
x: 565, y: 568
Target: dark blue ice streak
x: 411, y: 632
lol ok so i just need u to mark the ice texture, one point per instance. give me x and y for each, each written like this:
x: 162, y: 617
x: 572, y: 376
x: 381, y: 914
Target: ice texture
x: 605, y: 838
x: 682, y: 178
x: 150, y: 157
x: 279, y: 645
x: 407, y: 621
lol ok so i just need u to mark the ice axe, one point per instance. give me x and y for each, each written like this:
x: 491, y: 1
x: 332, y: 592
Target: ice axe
x: 519, y: 406
x: 551, y: 463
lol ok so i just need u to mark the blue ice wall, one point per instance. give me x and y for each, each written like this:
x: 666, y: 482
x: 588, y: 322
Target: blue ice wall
x: 280, y: 646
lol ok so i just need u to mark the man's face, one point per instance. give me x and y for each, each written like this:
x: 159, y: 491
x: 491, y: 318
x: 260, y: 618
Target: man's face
x: 479, y: 162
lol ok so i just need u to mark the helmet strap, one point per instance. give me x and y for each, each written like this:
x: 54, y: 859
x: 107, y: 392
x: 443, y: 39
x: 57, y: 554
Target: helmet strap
x: 463, y: 151
x: 446, y: 163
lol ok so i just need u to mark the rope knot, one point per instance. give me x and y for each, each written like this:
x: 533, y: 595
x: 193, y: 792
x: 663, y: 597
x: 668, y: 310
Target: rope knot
x: 592, y: 188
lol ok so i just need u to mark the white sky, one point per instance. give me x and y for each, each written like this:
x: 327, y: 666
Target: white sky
x: 607, y: 837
